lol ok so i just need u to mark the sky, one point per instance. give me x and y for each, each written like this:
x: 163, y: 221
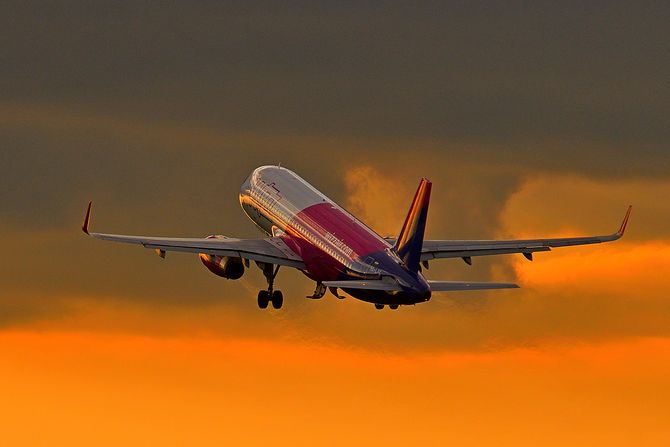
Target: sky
x: 531, y: 119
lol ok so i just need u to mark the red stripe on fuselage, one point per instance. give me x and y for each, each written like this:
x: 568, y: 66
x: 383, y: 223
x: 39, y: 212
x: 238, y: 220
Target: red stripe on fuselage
x: 341, y: 230
x: 331, y: 231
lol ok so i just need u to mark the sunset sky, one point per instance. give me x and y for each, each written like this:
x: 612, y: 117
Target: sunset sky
x: 530, y: 118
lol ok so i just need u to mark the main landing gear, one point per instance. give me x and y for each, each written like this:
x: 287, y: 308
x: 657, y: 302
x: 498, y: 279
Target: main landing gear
x: 379, y: 306
x: 266, y: 297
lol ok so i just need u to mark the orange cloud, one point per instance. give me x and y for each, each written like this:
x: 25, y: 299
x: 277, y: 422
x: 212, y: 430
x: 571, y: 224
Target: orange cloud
x: 620, y: 268
x: 377, y: 199
x: 576, y: 205
x: 580, y: 206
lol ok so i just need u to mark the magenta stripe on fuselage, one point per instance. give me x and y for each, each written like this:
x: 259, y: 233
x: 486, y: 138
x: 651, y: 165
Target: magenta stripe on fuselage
x: 337, y: 231
x: 341, y: 230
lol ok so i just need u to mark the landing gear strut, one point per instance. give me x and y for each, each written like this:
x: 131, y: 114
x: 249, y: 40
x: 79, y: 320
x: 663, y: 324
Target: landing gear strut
x: 319, y: 292
x: 266, y: 297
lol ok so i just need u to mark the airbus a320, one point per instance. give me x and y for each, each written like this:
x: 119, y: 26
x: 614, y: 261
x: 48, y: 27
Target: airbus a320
x: 309, y: 232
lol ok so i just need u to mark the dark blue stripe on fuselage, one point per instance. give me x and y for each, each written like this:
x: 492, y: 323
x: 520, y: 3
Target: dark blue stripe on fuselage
x: 415, y: 288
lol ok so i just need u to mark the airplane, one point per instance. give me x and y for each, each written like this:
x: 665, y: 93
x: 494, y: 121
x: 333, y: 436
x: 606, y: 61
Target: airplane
x: 308, y: 231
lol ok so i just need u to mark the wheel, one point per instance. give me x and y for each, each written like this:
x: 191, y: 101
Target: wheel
x: 379, y: 306
x: 277, y: 299
x: 263, y: 299
x: 393, y: 306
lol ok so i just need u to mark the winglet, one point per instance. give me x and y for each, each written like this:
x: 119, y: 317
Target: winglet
x: 87, y: 219
x: 622, y: 228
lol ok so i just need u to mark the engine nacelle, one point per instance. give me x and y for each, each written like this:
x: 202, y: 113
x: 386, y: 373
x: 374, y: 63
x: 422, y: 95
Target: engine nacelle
x: 229, y: 268
x: 224, y: 266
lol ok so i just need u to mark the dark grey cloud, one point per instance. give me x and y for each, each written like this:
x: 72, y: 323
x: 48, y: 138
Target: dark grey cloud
x: 517, y: 74
x: 539, y: 86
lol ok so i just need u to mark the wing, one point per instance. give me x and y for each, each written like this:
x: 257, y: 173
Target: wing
x: 271, y: 250
x: 435, y: 249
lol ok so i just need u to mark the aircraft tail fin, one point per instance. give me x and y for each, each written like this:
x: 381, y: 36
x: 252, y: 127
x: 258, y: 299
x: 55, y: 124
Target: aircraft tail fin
x: 410, y: 241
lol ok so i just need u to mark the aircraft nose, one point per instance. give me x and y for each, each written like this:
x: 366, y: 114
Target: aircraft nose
x: 246, y: 186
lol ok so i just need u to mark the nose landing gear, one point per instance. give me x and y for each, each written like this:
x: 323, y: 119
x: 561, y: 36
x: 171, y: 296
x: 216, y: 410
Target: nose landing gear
x: 319, y: 292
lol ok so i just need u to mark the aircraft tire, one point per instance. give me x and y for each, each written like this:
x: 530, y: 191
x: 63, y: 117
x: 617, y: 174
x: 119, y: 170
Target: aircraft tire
x: 379, y: 306
x: 393, y: 306
x: 277, y: 299
x: 263, y: 299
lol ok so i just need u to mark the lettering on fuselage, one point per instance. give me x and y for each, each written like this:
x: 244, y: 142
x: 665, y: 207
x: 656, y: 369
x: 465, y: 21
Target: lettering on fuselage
x: 270, y: 189
x: 339, y: 244
x: 280, y: 204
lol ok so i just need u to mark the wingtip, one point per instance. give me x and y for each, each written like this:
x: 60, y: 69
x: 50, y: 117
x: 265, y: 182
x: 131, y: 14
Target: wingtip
x: 87, y: 219
x: 622, y: 228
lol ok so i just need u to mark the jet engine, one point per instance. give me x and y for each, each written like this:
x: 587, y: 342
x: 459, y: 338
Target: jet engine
x: 224, y: 266
x: 229, y: 268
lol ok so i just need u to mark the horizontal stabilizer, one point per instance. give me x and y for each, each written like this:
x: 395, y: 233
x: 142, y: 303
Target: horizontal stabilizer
x: 449, y: 286
x: 375, y: 284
